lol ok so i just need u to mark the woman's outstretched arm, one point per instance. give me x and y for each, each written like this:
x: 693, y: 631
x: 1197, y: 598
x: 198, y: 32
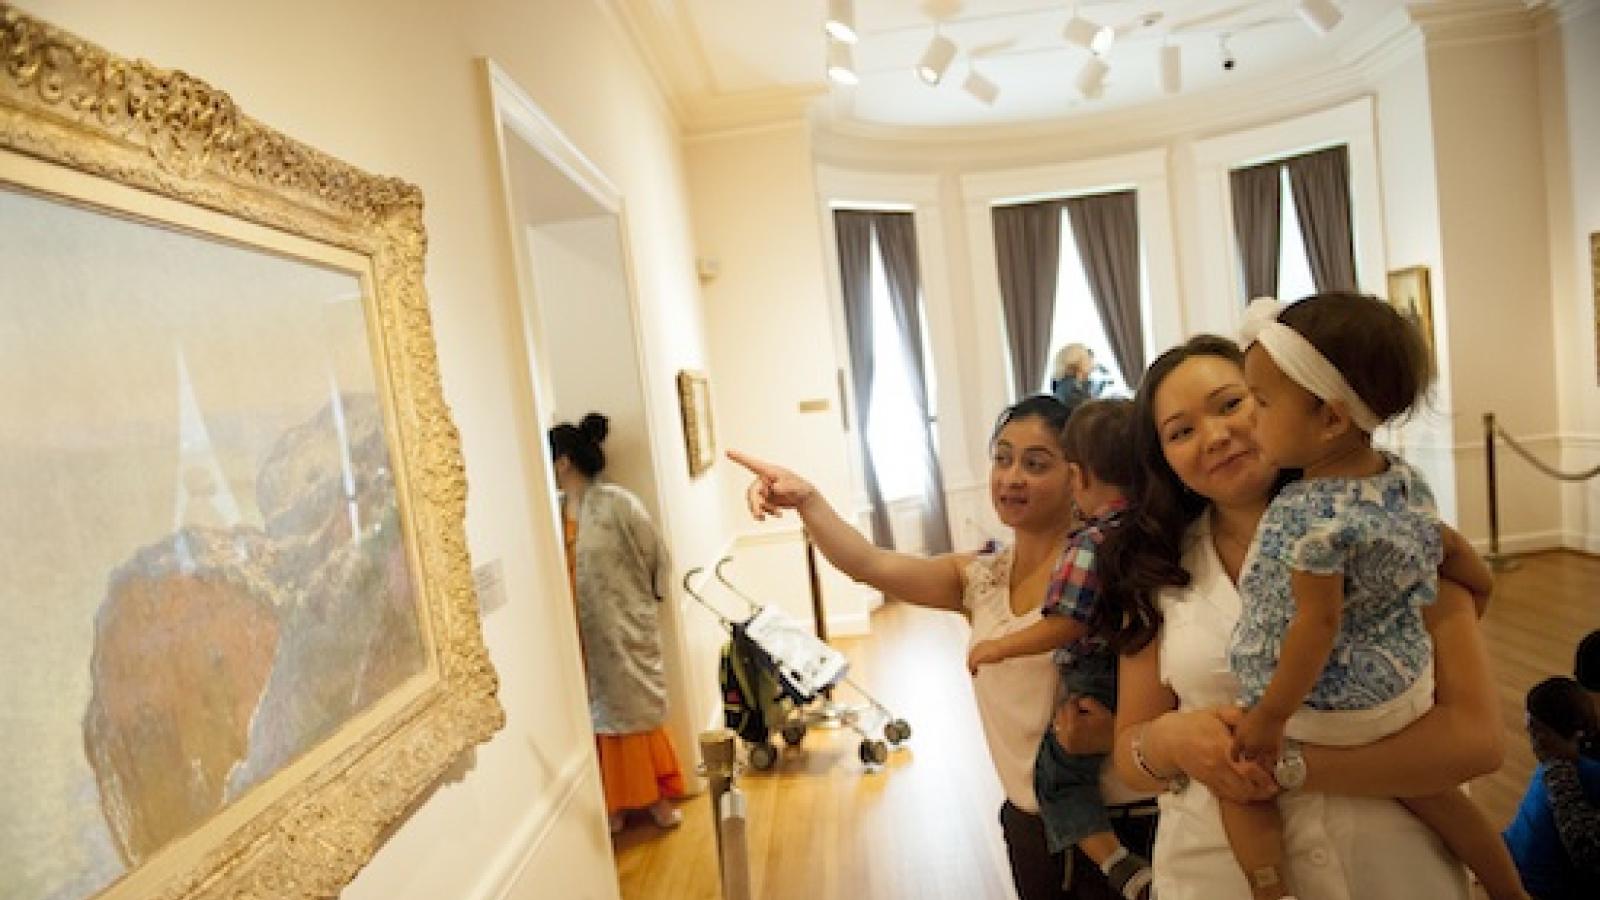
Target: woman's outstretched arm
x: 926, y: 581
x: 1460, y: 738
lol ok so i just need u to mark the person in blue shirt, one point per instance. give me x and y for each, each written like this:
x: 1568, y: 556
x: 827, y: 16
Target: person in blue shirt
x: 1565, y: 731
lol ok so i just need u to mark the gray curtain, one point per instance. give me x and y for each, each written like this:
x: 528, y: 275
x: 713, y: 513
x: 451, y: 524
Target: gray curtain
x: 853, y: 230
x: 1027, y: 248
x: 1321, y: 185
x: 1257, y: 206
x: 1106, y: 227
x: 897, y: 241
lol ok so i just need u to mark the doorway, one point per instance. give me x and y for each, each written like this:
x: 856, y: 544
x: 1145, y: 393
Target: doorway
x: 579, y: 318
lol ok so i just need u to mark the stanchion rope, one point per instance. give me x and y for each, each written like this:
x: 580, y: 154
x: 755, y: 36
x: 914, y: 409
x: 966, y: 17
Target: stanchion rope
x: 1540, y: 464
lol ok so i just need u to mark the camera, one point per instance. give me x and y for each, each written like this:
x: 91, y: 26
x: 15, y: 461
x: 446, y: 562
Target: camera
x: 1228, y: 62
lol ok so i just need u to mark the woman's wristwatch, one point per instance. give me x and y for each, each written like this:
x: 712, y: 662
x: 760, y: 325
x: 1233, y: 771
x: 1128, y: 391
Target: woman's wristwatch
x: 1175, y: 782
x: 1290, y: 772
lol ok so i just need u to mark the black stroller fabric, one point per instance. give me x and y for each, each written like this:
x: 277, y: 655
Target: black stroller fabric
x: 753, y: 695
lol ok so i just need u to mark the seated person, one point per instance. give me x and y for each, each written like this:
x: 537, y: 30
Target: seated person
x: 1563, y: 728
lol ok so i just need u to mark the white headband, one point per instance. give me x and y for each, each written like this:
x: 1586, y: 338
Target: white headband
x: 1301, y: 361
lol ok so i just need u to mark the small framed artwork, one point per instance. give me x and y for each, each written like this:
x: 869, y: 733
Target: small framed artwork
x: 1411, y: 295
x: 694, y: 396
x: 1594, y: 287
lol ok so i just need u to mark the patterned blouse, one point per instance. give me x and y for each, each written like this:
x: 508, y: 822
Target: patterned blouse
x: 1382, y: 534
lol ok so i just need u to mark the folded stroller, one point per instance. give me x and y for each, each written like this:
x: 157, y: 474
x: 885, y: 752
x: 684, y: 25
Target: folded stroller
x: 772, y: 669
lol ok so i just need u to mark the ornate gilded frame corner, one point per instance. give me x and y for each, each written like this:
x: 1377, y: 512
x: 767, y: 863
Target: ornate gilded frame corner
x: 694, y: 398
x: 71, y: 104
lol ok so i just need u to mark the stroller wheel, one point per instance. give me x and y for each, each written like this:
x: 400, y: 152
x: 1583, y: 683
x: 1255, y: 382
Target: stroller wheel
x: 897, y: 732
x: 794, y: 733
x: 874, y: 753
x: 762, y: 756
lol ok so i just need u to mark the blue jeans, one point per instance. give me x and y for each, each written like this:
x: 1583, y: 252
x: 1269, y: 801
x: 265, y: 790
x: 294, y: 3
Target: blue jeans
x: 1067, y: 784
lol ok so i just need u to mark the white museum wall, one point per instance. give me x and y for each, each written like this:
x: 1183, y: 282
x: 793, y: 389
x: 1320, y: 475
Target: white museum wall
x: 1569, y: 58
x: 1411, y: 232
x: 1494, y: 275
x: 581, y: 293
x: 395, y: 88
x: 755, y: 216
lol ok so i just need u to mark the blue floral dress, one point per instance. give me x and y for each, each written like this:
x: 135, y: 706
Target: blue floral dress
x: 1382, y: 534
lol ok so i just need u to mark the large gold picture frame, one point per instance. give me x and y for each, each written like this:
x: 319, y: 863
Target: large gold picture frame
x: 116, y: 155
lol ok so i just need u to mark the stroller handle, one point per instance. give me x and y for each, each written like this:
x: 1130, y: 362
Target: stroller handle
x: 717, y: 571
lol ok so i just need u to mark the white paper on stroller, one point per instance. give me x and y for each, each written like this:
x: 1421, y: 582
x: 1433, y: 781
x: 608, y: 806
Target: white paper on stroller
x: 807, y: 663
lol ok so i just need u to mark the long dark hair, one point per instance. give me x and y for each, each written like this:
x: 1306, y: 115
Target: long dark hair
x: 1145, y: 553
x: 581, y: 443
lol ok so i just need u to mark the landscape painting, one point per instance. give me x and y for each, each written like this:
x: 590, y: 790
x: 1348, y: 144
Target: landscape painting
x: 201, y: 535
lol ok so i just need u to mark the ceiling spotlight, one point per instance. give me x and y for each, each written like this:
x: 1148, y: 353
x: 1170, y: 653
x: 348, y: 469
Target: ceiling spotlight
x: 936, y: 59
x: 841, y: 22
x: 842, y: 64
x: 1320, y: 15
x: 1091, y: 78
x: 1171, y: 69
x: 1088, y: 35
x: 982, y: 88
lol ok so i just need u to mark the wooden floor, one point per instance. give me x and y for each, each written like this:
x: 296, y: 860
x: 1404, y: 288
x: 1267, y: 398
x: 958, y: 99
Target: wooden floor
x: 822, y: 828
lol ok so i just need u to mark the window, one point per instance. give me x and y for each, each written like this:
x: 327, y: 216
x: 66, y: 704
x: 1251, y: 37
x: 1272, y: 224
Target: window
x: 894, y: 435
x: 1076, y: 319
x: 1294, y: 263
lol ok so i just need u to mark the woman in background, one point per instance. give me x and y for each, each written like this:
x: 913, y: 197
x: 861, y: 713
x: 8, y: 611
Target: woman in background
x: 618, y: 566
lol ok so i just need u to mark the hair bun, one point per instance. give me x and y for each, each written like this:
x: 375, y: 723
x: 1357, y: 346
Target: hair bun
x: 595, y: 427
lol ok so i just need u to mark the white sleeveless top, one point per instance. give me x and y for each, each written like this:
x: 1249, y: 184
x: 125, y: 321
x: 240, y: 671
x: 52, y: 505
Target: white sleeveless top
x: 1016, y: 698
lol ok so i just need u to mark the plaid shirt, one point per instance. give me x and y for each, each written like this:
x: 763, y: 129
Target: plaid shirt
x: 1075, y: 587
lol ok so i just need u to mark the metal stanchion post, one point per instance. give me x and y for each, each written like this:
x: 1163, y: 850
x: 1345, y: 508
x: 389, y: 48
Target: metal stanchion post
x: 718, y: 755
x: 1497, y: 561
x: 718, y: 751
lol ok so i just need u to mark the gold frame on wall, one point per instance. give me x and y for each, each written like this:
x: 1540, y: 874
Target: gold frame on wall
x: 694, y: 398
x: 1594, y: 285
x: 73, y: 113
x: 1411, y: 294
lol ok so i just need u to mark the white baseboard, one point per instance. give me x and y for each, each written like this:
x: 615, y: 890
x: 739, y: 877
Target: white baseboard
x: 508, y: 866
x: 1529, y: 542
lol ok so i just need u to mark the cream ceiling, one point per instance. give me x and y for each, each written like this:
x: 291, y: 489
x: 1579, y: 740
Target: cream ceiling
x: 726, y: 58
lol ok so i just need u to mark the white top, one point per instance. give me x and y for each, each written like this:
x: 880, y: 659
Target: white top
x: 1016, y: 698
x: 1339, y: 848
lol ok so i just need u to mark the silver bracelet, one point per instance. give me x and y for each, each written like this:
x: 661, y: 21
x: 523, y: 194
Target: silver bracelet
x: 1175, y: 782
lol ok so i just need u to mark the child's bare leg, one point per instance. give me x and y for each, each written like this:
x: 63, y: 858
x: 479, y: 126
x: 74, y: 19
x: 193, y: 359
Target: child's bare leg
x: 1255, y: 832
x: 1128, y: 874
x: 1462, y: 826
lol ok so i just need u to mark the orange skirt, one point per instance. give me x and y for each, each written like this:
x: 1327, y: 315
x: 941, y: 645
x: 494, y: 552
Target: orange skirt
x: 638, y: 769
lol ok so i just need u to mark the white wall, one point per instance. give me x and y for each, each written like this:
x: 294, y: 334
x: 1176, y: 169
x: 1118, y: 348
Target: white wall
x: 755, y: 212
x: 1569, y: 58
x: 1493, y: 282
x: 393, y: 87
x: 1411, y: 231
x: 581, y: 293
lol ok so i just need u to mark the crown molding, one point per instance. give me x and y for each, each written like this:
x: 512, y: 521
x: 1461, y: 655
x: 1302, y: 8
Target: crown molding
x: 717, y: 115
x: 666, y: 43
x: 1215, y: 111
x: 1469, y: 22
x: 1557, y: 13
